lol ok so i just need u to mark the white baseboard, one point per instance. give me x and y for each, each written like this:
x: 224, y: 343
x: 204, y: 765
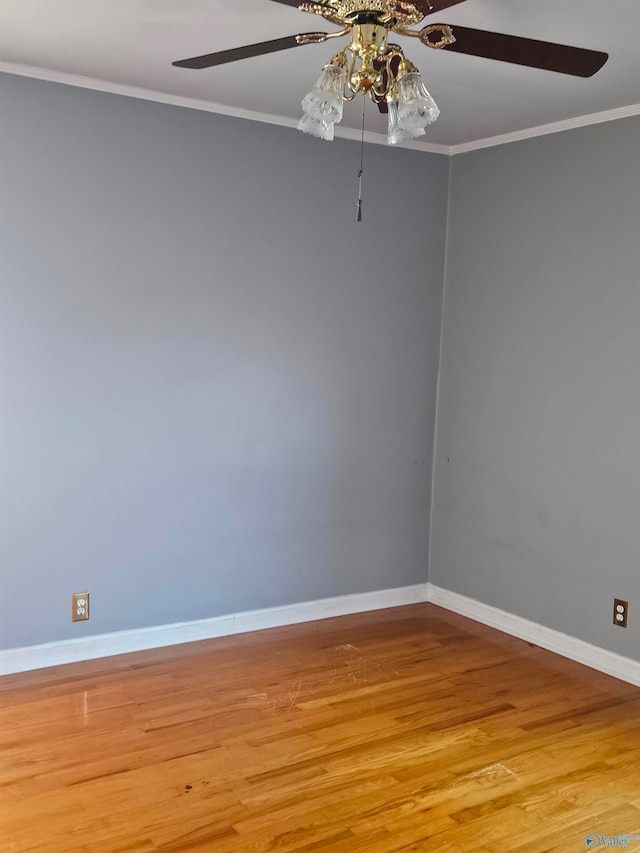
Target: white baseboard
x: 141, y: 639
x: 611, y: 663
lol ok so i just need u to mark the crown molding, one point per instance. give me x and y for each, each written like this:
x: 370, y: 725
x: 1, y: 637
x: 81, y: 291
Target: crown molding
x: 196, y: 104
x: 342, y: 132
x: 545, y: 129
x: 381, y: 139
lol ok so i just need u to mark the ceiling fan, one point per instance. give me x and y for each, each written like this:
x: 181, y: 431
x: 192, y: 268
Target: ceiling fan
x: 372, y: 65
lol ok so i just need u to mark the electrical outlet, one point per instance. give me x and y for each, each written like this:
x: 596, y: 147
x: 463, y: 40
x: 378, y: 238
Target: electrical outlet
x: 620, y: 612
x: 79, y: 606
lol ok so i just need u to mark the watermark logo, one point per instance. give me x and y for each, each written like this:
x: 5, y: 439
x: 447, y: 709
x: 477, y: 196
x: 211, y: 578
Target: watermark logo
x: 593, y: 840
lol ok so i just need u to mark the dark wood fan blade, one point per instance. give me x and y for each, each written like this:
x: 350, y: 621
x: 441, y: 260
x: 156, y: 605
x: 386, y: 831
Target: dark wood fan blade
x: 522, y: 51
x: 430, y: 7
x: 383, y: 107
x: 224, y: 56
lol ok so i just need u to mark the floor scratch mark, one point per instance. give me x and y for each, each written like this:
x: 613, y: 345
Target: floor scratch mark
x: 491, y: 770
x: 296, y: 691
x: 364, y: 660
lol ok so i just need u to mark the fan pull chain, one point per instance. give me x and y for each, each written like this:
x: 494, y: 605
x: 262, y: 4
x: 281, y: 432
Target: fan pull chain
x: 359, y: 213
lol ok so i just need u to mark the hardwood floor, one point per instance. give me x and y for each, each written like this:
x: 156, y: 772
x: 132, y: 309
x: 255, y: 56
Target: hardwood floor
x: 405, y: 729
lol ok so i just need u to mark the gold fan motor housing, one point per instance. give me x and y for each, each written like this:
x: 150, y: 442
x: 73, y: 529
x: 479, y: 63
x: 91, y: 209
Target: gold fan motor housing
x: 389, y: 13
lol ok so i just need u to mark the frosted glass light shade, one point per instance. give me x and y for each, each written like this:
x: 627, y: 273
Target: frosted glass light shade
x: 396, y: 133
x: 416, y: 107
x: 315, y: 127
x: 324, y: 101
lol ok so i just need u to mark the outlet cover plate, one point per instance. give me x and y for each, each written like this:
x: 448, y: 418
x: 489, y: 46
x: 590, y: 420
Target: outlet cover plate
x: 620, y: 612
x: 79, y: 606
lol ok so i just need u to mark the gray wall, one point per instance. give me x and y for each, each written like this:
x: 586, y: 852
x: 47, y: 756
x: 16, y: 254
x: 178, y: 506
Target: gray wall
x: 537, y: 485
x: 218, y: 389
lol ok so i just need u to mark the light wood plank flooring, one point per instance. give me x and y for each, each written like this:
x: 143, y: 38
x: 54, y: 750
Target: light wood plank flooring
x: 405, y: 729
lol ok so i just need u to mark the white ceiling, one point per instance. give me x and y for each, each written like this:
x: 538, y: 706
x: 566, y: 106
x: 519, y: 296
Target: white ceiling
x: 128, y: 46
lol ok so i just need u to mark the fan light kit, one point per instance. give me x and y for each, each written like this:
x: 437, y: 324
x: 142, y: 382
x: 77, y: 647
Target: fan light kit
x: 382, y: 71
x: 370, y: 64
x: 373, y: 66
